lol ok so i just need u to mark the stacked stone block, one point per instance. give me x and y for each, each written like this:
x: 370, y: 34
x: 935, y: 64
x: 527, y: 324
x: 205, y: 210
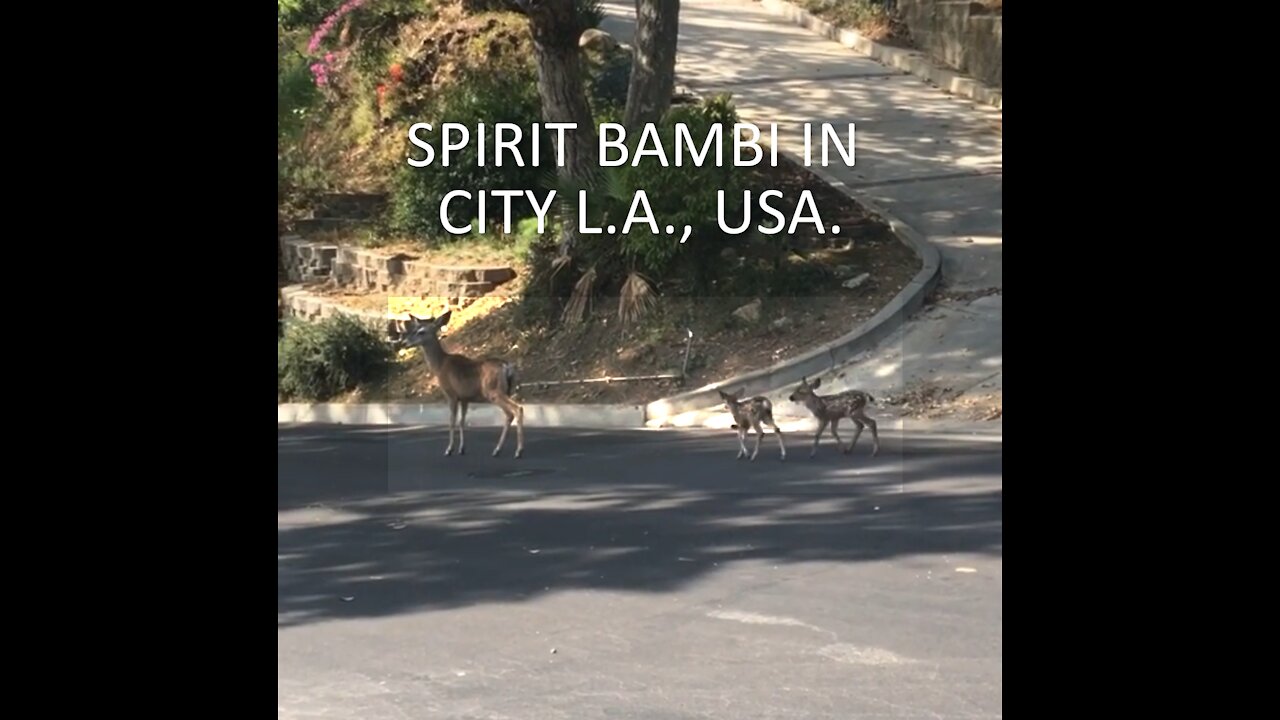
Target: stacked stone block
x: 369, y: 270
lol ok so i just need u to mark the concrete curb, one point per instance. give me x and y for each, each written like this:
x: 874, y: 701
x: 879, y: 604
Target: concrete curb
x: 912, y: 62
x: 662, y: 413
x: 589, y: 417
x: 479, y: 415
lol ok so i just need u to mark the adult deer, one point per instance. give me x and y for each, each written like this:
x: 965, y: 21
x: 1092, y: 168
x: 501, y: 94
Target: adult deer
x: 748, y: 415
x: 831, y: 409
x: 465, y: 380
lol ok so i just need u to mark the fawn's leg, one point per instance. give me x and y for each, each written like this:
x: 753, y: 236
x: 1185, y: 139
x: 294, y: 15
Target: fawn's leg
x: 834, y: 423
x: 782, y: 446
x: 755, y: 424
x: 875, y: 436
x: 822, y: 425
x: 857, y: 433
x: 462, y: 430
x: 453, y: 418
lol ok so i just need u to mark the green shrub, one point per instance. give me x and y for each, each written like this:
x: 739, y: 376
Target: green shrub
x: 317, y: 361
x: 679, y: 196
x: 607, y: 83
x: 488, y: 98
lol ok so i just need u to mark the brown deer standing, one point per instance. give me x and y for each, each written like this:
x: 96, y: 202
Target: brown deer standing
x: 465, y: 380
x: 832, y: 409
x: 749, y: 414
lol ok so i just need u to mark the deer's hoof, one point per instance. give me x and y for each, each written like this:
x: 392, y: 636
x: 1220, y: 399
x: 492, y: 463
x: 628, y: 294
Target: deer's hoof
x: 448, y: 452
x: 462, y: 451
x: 519, y: 454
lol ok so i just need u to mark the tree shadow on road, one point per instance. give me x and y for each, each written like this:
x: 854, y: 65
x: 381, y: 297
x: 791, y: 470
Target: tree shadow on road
x: 610, y: 513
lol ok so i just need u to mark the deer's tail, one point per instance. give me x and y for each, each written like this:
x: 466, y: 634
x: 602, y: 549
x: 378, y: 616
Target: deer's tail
x: 509, y: 372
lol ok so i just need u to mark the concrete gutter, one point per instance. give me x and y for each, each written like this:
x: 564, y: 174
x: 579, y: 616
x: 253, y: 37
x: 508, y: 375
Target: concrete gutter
x: 679, y: 410
x: 591, y: 417
x: 913, y: 62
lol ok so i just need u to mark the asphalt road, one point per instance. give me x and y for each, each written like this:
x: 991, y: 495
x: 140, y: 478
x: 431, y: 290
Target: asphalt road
x: 642, y: 574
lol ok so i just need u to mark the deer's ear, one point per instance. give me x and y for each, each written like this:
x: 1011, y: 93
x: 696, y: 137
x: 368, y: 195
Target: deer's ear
x: 444, y: 319
x: 816, y: 383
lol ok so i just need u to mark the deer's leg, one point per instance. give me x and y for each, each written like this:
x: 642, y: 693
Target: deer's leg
x: 742, y: 441
x: 462, y: 429
x: 512, y: 411
x: 856, y: 433
x: 822, y: 426
x: 834, y: 423
x: 519, y: 429
x: 453, y: 418
x: 782, y: 446
x: 875, y: 435
x: 755, y: 424
x: 505, y: 426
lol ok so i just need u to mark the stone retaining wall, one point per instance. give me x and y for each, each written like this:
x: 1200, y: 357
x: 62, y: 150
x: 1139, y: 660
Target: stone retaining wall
x: 967, y: 36
x: 362, y: 269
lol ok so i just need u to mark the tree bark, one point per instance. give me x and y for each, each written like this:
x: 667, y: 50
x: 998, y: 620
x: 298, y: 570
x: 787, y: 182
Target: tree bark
x: 653, y: 63
x: 556, y: 30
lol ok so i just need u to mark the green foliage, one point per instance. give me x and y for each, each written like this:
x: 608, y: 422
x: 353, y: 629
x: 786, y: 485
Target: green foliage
x: 607, y: 83
x: 680, y: 196
x: 317, y: 361
x: 292, y: 14
x: 298, y: 102
x: 872, y: 16
x: 488, y: 98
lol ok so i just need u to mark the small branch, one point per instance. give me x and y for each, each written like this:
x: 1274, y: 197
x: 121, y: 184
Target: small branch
x: 587, y: 381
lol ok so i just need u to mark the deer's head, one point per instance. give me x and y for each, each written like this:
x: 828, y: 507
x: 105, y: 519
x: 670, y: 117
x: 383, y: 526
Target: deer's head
x: 805, y: 391
x: 730, y: 399
x: 422, y: 330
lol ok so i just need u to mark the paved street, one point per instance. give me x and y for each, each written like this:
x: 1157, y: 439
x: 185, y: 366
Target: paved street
x: 636, y: 574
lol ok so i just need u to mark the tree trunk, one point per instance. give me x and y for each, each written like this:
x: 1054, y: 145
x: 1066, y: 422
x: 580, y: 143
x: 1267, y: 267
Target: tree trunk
x: 653, y: 64
x: 555, y: 29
